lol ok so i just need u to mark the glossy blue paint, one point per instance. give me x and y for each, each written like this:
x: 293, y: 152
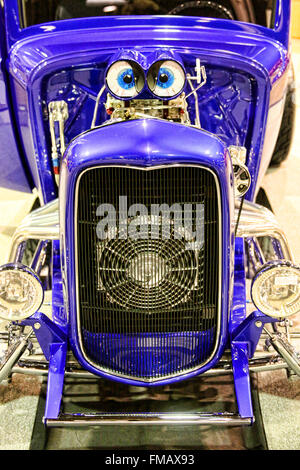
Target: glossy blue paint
x: 223, y: 100
x: 239, y: 349
x: 244, y: 332
x: 47, y: 332
x: 250, y: 330
x: 54, y: 344
x: 238, y: 309
x: 144, y: 143
x: 15, y: 32
x: 58, y: 307
x: 55, y: 383
x: 154, y: 359
x: 247, y: 69
x: 241, y: 375
x: 13, y: 174
x: 53, y: 341
x: 254, y: 53
x: 242, y: 328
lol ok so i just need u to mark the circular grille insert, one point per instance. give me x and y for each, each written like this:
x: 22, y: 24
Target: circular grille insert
x: 148, y: 273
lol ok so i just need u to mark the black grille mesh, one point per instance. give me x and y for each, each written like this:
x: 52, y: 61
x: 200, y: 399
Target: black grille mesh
x: 147, y: 306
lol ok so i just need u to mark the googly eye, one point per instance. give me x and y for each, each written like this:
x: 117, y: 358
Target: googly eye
x: 125, y: 79
x: 166, y: 78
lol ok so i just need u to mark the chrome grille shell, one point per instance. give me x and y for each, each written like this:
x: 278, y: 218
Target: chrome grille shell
x: 184, y: 371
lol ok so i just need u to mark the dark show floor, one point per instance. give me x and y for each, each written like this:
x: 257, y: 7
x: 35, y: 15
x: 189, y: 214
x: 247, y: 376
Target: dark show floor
x: 205, y: 394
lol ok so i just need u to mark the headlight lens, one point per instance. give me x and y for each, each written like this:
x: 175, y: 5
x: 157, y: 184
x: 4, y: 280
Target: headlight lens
x: 21, y: 292
x: 275, y: 289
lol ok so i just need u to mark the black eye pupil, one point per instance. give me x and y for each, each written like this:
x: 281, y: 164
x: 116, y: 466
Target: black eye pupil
x: 127, y: 78
x: 163, y: 78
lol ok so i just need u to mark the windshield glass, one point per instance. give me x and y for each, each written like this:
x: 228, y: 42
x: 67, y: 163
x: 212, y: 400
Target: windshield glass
x: 42, y: 11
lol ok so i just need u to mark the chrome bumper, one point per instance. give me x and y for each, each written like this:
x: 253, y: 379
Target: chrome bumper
x: 101, y: 419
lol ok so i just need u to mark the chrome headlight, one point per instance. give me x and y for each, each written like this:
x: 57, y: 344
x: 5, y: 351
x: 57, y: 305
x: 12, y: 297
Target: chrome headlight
x: 21, y: 292
x: 275, y: 289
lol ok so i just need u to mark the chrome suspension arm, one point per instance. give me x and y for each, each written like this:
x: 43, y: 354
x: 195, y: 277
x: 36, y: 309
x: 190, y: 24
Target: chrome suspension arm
x: 13, y: 354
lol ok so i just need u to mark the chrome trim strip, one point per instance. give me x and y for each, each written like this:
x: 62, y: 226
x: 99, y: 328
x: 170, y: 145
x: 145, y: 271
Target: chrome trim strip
x: 101, y: 419
x: 165, y: 377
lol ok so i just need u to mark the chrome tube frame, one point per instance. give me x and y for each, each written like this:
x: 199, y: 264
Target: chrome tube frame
x: 41, y: 224
x: 255, y: 221
x: 37, y: 365
x: 101, y: 419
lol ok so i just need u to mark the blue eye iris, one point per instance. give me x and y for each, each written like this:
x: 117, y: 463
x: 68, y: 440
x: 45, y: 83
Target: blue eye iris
x: 126, y: 79
x: 165, y: 78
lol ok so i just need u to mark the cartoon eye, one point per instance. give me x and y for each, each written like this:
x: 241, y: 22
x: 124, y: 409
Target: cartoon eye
x: 166, y: 78
x: 125, y: 79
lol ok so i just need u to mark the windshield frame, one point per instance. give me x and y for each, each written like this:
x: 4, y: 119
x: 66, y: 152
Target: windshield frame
x: 13, y: 10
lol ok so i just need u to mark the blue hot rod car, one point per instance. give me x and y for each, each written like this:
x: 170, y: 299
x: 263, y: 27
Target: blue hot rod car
x: 146, y: 128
